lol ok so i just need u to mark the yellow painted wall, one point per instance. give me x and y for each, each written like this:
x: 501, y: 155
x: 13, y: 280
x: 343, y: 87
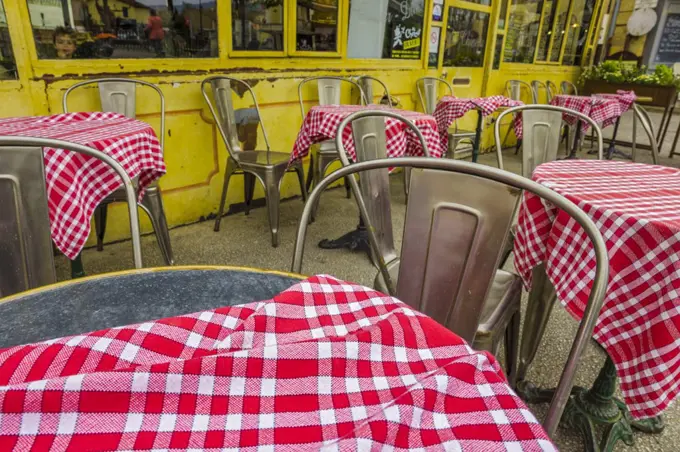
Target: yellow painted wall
x: 194, y: 152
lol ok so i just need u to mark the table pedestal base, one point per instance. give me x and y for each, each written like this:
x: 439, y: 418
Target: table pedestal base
x: 588, y: 408
x: 77, y: 270
x: 356, y: 240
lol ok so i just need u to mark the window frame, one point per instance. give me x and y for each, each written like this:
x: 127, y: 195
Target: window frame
x: 256, y: 53
x: 341, y: 35
x: 490, y: 32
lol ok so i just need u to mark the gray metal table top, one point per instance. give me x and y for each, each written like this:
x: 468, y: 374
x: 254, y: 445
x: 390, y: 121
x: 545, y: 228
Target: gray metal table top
x: 118, y: 299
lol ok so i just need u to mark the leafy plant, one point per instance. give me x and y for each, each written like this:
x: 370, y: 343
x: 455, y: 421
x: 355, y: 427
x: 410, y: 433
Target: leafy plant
x: 616, y: 72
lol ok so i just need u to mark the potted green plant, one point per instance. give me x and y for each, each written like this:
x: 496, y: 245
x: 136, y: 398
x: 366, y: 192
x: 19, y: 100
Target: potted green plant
x: 658, y: 88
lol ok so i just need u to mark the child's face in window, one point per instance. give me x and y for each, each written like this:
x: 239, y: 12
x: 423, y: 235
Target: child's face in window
x: 65, y: 46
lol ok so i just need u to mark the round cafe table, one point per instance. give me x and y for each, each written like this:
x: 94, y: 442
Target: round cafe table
x: 123, y: 298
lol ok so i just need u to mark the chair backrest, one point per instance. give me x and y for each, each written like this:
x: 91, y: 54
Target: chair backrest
x: 222, y: 109
x: 428, y: 92
x: 552, y: 89
x: 26, y: 259
x: 567, y: 87
x: 119, y: 95
x: 370, y: 143
x: 643, y: 118
x: 449, y: 211
x: 541, y: 127
x: 536, y: 87
x: 329, y: 90
x: 514, y: 89
x: 366, y: 83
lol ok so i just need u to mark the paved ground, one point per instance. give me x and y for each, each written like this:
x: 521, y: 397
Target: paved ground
x: 245, y: 241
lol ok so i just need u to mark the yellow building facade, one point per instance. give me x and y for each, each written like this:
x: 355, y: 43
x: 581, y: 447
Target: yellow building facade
x: 274, y: 44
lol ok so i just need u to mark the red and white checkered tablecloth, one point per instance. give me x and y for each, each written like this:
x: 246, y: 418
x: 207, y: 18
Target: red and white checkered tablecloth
x: 603, y: 110
x: 325, y: 364
x: 451, y: 108
x: 626, y: 99
x: 321, y: 124
x: 637, y: 209
x: 77, y: 183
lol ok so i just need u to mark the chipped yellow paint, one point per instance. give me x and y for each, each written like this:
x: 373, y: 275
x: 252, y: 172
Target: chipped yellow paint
x: 194, y: 153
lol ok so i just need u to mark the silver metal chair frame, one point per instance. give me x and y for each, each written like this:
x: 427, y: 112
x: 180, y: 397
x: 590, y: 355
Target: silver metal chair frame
x: 641, y: 115
x: 329, y: 93
x: 513, y: 90
x: 595, y: 300
x: 552, y: 88
x: 35, y: 247
x: 536, y: 87
x: 111, y: 91
x: 428, y: 88
x: 269, y: 172
x: 368, y: 129
x: 567, y: 87
x: 366, y: 83
x: 534, y: 127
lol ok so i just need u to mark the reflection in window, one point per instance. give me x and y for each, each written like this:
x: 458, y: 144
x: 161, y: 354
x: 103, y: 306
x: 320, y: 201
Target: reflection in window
x: 558, y: 30
x: 124, y: 28
x: 498, y: 50
x: 577, y: 31
x: 465, y: 38
x: 317, y: 25
x: 257, y: 24
x: 8, y: 69
x: 500, y: 24
x: 550, y: 7
x: 520, y: 41
x: 386, y: 29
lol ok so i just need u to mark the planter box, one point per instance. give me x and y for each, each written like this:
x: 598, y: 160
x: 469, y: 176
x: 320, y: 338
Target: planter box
x: 661, y: 96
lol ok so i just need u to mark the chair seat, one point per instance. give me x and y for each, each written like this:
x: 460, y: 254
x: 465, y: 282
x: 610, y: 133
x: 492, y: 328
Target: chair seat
x: 501, y: 302
x: 328, y: 147
x: 262, y: 158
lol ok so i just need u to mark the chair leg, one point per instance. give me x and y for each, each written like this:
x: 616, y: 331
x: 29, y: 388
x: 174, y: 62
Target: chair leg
x: 348, y: 189
x: 152, y: 203
x: 512, y: 347
x: 271, y: 188
x: 319, y: 171
x: 541, y: 301
x: 229, y: 170
x: 310, y: 173
x: 248, y: 190
x: 407, y: 180
x: 100, y: 224
x: 299, y: 170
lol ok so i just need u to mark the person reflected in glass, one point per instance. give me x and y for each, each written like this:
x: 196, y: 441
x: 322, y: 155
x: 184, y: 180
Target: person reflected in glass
x: 64, y: 40
x: 155, y: 32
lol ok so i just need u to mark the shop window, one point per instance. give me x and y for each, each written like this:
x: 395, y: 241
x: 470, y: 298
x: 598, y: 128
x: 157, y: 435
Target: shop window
x: 466, y: 32
x: 257, y: 25
x: 559, y: 30
x: 522, y: 34
x: 497, y: 52
x: 550, y: 8
x: 317, y: 26
x: 577, y: 31
x: 66, y: 29
x: 8, y: 69
x: 386, y: 29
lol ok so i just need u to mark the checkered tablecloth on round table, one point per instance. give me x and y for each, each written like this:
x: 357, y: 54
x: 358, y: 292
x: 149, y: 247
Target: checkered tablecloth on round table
x: 77, y: 183
x: 603, y: 110
x: 451, y: 108
x: 321, y: 124
x: 626, y: 99
x: 323, y: 364
x: 637, y: 209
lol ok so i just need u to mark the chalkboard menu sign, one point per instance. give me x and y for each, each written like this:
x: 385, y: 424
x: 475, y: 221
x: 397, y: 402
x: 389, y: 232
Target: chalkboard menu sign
x: 404, y: 30
x: 669, y: 44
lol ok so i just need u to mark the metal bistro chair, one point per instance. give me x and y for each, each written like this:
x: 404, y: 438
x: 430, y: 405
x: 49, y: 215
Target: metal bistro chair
x: 640, y: 115
x: 446, y: 275
x: 118, y: 95
x: 495, y: 205
x: 366, y: 84
x: 26, y: 254
x: 552, y: 88
x: 514, y: 89
x: 370, y: 142
x: 428, y: 92
x: 541, y: 125
x: 267, y: 166
x: 536, y: 87
x: 566, y: 87
x: 329, y: 90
